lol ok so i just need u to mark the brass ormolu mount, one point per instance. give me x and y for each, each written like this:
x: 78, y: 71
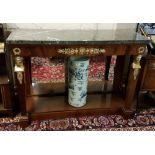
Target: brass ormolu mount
x: 19, y: 66
x: 136, y: 66
x: 136, y: 63
x: 81, y: 51
x: 1, y: 47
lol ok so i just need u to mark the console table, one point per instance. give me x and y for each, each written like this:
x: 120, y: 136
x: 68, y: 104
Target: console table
x: 50, y: 100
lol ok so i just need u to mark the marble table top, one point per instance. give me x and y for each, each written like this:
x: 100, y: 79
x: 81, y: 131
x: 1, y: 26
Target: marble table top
x: 67, y: 37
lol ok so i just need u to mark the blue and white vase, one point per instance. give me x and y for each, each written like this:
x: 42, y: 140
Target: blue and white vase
x: 77, y: 80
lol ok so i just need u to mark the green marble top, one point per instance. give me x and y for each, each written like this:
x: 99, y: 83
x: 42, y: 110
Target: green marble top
x: 66, y: 37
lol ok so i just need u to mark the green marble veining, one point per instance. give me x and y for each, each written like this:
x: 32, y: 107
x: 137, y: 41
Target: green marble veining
x: 67, y: 37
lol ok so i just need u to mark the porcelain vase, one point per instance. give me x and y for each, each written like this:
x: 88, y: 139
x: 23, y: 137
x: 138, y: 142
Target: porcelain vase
x: 77, y: 80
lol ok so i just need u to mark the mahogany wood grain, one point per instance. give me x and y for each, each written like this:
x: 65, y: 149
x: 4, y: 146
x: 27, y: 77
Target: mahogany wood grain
x: 131, y: 90
x: 118, y: 74
x: 6, y: 96
x: 22, y: 98
x: 57, y: 106
x: 6, y: 103
x: 28, y: 77
x: 21, y: 89
x: 49, y: 50
x: 54, y: 102
x: 134, y: 49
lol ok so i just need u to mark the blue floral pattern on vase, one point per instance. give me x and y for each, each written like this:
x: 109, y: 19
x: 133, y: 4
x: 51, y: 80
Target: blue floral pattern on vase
x: 77, y: 80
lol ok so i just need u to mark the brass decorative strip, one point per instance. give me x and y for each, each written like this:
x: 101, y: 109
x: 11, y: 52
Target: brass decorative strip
x: 81, y: 51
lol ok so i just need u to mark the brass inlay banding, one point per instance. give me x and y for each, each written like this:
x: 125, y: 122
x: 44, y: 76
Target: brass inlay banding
x: 81, y: 51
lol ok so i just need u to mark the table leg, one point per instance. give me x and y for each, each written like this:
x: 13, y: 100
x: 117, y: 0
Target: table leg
x: 131, y: 86
x: 21, y: 83
x: 28, y: 77
x: 118, y: 74
x: 22, y: 97
x: 66, y: 76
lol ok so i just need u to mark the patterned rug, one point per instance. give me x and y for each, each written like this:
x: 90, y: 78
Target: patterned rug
x: 142, y: 121
x: 45, y: 70
x: 52, y: 70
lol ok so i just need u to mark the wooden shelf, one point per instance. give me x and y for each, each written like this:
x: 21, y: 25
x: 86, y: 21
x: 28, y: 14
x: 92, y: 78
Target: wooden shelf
x: 57, y: 106
x: 48, y: 100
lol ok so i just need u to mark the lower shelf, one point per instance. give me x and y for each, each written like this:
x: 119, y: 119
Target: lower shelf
x: 57, y: 106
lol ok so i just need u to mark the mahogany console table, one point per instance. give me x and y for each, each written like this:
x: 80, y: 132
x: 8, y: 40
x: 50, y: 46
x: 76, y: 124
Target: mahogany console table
x: 50, y: 100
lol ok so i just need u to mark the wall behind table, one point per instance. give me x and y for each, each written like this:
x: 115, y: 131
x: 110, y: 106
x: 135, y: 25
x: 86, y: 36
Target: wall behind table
x: 114, y: 26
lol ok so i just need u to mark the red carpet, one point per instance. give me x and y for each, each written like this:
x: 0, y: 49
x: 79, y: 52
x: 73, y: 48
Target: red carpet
x: 52, y: 70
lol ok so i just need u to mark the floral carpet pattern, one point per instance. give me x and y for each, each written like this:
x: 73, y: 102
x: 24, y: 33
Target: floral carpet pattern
x: 53, y: 70
x: 144, y: 120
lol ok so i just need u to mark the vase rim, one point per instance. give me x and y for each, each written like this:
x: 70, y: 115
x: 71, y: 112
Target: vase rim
x: 79, y: 58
